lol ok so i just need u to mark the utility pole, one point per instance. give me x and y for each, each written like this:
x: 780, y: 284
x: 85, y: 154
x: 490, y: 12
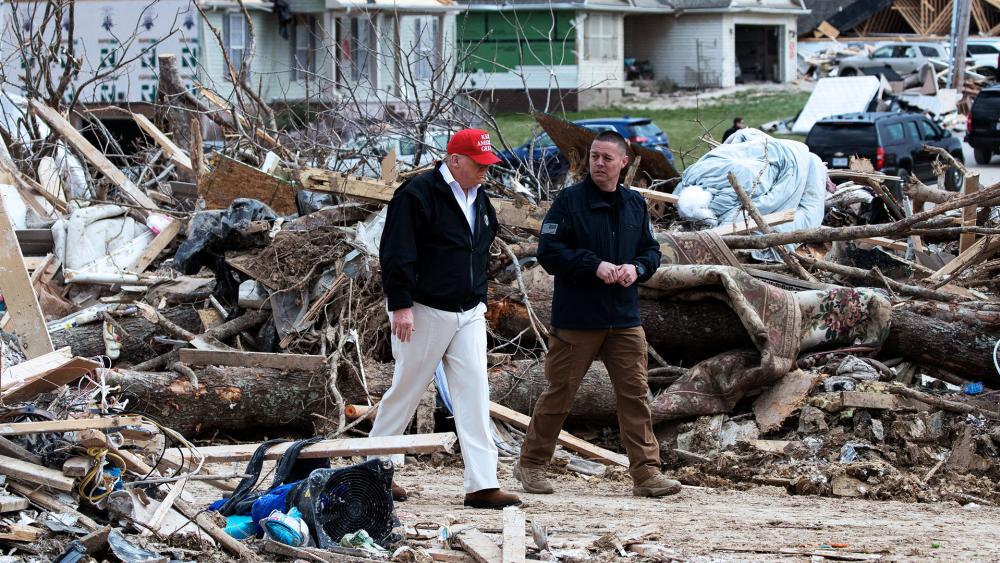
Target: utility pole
x: 964, y: 11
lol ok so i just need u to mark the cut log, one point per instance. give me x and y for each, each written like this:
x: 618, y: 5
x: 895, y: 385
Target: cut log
x: 137, y: 335
x: 953, y: 346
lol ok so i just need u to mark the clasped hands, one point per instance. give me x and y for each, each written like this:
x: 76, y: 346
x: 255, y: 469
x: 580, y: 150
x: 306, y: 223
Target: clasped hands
x: 622, y: 274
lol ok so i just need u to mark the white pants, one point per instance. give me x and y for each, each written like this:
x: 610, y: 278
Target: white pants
x: 458, y: 341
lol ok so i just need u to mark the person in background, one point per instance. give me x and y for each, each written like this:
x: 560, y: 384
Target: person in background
x: 738, y: 124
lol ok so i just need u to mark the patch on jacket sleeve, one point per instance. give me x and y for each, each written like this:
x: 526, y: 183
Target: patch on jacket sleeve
x: 549, y: 228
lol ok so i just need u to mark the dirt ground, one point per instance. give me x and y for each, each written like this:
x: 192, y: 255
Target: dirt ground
x: 702, y: 524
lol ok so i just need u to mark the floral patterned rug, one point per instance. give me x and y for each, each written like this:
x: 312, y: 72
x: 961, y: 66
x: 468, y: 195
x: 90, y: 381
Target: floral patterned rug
x: 781, y: 324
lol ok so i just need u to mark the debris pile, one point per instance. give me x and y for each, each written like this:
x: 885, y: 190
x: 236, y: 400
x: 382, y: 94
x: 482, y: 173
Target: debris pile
x: 156, y: 311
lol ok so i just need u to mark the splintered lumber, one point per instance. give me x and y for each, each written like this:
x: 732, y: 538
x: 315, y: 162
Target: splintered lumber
x: 94, y: 156
x: 970, y: 186
x: 653, y: 195
x: 19, y: 296
x: 509, y: 213
x: 976, y: 252
x: 479, y: 546
x: 57, y: 370
x: 239, y: 358
x: 449, y: 555
x: 76, y: 466
x: 19, y: 532
x: 330, y: 554
x: 175, y: 153
x: 884, y: 243
x: 37, y: 474
x: 741, y: 227
x: 513, y: 535
x: 779, y: 402
x: 157, y: 245
x: 11, y: 503
x: 861, y: 400
x: 15, y: 450
x: 567, y: 440
x: 344, y: 447
x: 70, y: 425
x: 231, y: 179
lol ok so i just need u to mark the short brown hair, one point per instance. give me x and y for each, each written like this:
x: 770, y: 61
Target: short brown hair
x: 613, y: 137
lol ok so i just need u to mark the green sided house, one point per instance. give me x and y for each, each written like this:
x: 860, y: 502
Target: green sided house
x: 570, y: 54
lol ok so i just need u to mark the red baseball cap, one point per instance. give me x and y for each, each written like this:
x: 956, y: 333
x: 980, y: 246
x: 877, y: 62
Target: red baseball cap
x: 475, y: 144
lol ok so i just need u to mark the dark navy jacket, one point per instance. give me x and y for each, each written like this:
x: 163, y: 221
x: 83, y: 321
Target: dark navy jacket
x: 581, y: 230
x: 428, y: 254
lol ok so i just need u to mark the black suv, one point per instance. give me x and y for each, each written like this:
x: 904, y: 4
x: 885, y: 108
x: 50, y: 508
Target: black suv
x: 983, y: 129
x: 892, y: 141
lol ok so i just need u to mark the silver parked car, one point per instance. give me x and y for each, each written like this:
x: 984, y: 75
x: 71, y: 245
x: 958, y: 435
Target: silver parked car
x: 904, y: 58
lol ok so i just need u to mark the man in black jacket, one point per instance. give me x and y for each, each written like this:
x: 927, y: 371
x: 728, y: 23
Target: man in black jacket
x: 598, y: 243
x: 434, y: 256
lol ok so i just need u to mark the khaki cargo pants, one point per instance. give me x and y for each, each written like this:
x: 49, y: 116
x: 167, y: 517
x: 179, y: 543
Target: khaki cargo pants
x: 623, y: 351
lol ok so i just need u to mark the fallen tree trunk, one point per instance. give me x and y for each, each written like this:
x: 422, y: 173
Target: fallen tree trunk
x: 229, y: 398
x: 137, y: 335
x: 695, y: 330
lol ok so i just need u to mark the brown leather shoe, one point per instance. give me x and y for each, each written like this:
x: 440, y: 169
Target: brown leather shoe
x: 491, y: 498
x: 398, y: 493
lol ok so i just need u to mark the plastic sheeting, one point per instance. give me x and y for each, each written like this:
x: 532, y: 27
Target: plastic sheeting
x: 778, y: 174
x: 99, y: 238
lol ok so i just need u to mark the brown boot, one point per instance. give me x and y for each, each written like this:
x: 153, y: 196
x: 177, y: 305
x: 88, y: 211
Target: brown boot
x: 491, y: 498
x: 398, y: 493
x: 657, y: 486
x: 533, y: 480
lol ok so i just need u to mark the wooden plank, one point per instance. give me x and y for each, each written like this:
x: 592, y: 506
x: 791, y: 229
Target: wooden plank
x: 71, y: 425
x: 19, y: 532
x: 17, y: 373
x: 205, y: 522
x: 331, y: 554
x: 862, y: 400
x: 76, y: 466
x: 231, y: 179
x: 779, y: 402
x: 653, y: 195
x: 94, y: 156
x: 42, y: 382
x: 32, y: 263
x: 509, y: 213
x: 173, y: 152
x: 239, y: 358
x: 970, y: 186
x: 828, y: 30
x: 449, y: 555
x: 343, y: 447
x: 567, y: 440
x: 166, y: 505
x: 11, y: 503
x: 158, y: 244
x: 12, y: 449
x: 513, y: 535
x: 742, y: 227
x: 27, y: 319
x: 770, y: 446
x: 43, y: 499
x: 980, y: 250
x: 884, y: 243
x: 479, y: 546
x: 37, y: 474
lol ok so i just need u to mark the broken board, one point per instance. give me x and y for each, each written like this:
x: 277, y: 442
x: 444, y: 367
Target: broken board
x: 779, y: 402
x: 239, y: 358
x: 479, y: 546
x: 231, y: 179
x: 567, y: 440
x: 343, y: 447
x: 45, y: 373
x: 19, y: 296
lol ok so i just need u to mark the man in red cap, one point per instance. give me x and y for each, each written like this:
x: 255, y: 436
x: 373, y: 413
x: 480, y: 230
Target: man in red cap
x: 434, y: 255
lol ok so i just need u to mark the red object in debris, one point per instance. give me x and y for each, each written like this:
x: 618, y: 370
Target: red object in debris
x: 968, y: 118
x: 638, y: 139
x: 879, y: 158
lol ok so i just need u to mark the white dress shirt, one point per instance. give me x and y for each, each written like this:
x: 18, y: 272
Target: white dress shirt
x: 466, y: 201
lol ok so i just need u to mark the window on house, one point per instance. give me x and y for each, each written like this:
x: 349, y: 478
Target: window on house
x: 303, y: 47
x: 602, y: 41
x: 426, y: 57
x: 234, y: 33
x: 360, y: 52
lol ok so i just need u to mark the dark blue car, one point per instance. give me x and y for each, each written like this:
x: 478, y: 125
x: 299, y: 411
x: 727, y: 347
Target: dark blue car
x: 540, y: 153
